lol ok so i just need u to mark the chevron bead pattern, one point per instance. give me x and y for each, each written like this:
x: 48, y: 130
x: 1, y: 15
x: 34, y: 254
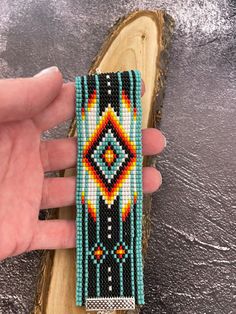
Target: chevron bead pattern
x: 109, y: 191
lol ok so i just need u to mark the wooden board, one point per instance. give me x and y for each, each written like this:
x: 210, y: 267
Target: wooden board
x: 137, y: 41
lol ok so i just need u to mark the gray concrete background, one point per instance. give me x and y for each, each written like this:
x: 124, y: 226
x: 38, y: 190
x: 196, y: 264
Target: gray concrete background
x: 191, y: 262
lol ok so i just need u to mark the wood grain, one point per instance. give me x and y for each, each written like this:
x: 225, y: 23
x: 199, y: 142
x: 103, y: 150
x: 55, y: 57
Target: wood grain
x: 137, y: 41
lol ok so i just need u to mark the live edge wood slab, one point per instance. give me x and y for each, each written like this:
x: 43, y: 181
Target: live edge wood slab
x: 141, y: 41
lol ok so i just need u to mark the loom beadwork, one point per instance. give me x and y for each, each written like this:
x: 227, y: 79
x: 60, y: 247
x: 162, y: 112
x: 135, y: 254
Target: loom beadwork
x: 109, y: 270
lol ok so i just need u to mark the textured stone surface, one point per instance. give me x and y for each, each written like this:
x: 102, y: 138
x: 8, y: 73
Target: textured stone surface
x: 191, y: 262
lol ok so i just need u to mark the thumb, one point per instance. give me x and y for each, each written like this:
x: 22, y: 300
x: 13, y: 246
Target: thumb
x: 22, y: 98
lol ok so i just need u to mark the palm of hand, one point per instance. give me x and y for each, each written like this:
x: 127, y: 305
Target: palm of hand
x: 21, y: 183
x: 43, y: 102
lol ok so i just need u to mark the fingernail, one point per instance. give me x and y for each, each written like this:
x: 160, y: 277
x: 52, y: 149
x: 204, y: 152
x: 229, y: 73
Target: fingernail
x: 47, y: 71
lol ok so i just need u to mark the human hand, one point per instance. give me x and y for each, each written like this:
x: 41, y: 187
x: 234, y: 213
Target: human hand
x: 28, y: 107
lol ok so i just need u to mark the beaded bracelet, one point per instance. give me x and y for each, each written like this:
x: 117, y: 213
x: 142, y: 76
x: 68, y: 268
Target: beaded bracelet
x: 109, y: 270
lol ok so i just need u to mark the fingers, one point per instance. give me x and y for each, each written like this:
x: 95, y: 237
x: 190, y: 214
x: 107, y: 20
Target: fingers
x: 54, y: 234
x: 152, y: 179
x: 153, y: 141
x: 61, y: 109
x: 24, y: 97
x: 59, y: 234
x: 59, y: 192
x: 61, y: 154
x: 58, y: 154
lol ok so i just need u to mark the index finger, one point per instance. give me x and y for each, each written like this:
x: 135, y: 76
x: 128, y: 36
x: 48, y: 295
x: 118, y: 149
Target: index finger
x: 22, y: 98
x: 62, y: 108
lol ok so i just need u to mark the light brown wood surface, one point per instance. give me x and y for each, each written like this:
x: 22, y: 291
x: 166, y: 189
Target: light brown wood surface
x: 135, y: 42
